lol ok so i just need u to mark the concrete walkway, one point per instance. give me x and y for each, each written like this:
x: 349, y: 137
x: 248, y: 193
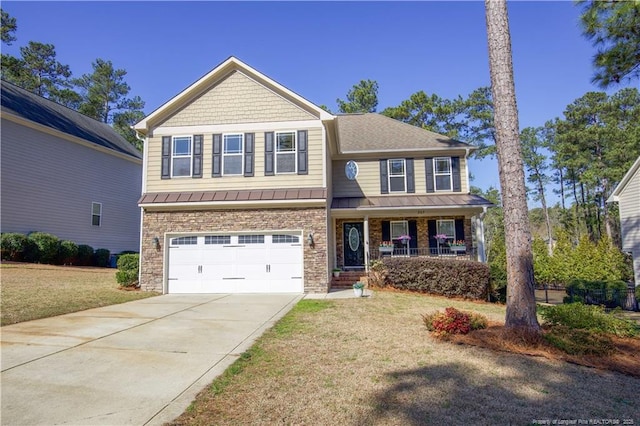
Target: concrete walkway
x: 138, y: 363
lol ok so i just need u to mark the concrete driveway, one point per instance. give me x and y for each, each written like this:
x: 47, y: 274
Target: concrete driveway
x: 138, y: 363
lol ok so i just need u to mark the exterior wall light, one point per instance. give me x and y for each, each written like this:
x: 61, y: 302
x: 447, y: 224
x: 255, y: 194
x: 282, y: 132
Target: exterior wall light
x: 310, y: 240
x: 156, y: 243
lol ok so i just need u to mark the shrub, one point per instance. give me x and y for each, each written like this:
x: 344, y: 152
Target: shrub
x: 48, y: 247
x: 438, y: 276
x: 101, y: 257
x: 85, y: 255
x: 68, y: 252
x: 18, y: 248
x: 453, y: 321
x: 127, y: 275
x: 579, y: 341
x: 587, y: 317
x: 607, y: 293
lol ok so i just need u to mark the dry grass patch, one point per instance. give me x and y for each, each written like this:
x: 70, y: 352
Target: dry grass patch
x: 372, y: 361
x: 32, y: 291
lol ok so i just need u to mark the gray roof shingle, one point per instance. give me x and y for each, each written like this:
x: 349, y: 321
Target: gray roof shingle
x: 372, y: 132
x: 35, y: 108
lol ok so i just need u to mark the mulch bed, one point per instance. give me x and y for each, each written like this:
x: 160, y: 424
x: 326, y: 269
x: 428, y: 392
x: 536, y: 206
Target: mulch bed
x: 625, y: 359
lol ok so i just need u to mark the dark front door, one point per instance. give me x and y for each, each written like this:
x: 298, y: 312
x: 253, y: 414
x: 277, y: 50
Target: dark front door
x: 353, y: 244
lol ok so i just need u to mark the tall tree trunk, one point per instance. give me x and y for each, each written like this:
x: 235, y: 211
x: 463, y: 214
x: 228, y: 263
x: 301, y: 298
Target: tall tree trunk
x: 561, y: 188
x: 521, y: 303
x: 547, y: 219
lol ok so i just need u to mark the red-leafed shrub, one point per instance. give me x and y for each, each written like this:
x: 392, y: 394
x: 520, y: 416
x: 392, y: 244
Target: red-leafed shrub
x: 453, y: 321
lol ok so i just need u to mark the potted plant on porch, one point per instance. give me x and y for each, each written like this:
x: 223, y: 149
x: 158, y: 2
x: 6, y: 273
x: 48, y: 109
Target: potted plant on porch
x: 358, y: 289
x: 336, y: 272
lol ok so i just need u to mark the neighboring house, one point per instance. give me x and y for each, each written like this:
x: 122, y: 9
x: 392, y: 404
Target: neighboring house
x: 67, y: 174
x: 248, y: 187
x: 627, y: 194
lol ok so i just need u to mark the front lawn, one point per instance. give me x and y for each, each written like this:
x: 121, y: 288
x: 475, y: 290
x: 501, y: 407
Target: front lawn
x: 32, y: 291
x: 371, y: 361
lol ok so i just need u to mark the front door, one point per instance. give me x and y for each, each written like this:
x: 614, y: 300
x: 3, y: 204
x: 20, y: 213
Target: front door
x: 353, y: 244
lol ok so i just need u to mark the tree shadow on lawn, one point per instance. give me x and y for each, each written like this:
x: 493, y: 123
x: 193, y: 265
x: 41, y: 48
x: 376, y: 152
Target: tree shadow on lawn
x: 510, y: 389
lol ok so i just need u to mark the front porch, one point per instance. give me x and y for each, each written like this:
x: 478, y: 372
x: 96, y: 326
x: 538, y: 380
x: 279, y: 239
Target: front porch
x: 358, y: 241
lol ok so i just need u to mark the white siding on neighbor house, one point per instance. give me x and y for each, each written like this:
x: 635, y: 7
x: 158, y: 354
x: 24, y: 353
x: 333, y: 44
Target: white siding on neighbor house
x: 237, y: 99
x: 367, y: 183
x: 629, y: 203
x: 314, y: 179
x: 49, y: 184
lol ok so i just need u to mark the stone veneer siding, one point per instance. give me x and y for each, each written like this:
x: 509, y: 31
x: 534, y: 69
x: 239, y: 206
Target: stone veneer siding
x: 156, y: 224
x: 375, y: 233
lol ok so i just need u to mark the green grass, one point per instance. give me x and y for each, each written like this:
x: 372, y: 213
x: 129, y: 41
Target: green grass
x: 291, y: 322
x: 33, y: 291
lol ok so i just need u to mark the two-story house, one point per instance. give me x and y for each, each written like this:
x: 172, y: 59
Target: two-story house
x: 249, y: 187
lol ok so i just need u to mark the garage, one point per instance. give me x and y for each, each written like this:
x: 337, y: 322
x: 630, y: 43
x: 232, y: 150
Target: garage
x: 235, y: 263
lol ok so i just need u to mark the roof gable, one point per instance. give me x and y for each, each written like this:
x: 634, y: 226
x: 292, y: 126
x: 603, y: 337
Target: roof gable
x: 212, y: 78
x: 370, y: 132
x: 37, y: 109
x: 625, y: 181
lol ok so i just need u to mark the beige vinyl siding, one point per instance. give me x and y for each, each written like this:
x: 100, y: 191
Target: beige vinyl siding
x: 258, y: 181
x: 629, y: 200
x: 367, y: 183
x: 237, y: 99
x: 49, y: 183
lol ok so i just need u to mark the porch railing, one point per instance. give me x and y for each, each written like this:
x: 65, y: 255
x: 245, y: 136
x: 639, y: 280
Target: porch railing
x: 443, y: 252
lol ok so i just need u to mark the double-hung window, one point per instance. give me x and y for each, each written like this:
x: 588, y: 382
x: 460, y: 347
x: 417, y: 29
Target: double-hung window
x: 397, y: 175
x: 96, y: 214
x: 232, y: 154
x: 448, y: 228
x: 181, y: 156
x: 442, y: 173
x: 399, y: 228
x: 286, y: 152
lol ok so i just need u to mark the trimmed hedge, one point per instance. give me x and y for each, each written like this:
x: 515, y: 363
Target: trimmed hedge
x: 127, y: 275
x: 68, y: 252
x: 85, y: 255
x: 101, y: 257
x: 18, y: 248
x: 48, y: 247
x: 446, y: 277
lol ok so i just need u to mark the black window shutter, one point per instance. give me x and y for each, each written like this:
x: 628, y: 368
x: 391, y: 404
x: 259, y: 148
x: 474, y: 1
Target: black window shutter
x: 459, y: 229
x: 249, y: 157
x: 455, y: 169
x: 428, y: 166
x: 411, y: 186
x: 413, y: 233
x: 386, y: 230
x: 303, y: 166
x: 216, y: 169
x: 197, y: 156
x: 166, y: 157
x: 433, y: 230
x: 268, y: 154
x: 384, y: 177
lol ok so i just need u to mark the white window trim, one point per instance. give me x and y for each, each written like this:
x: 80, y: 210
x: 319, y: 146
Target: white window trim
x: 436, y: 174
x: 294, y: 152
x: 94, y: 203
x: 453, y: 223
x: 404, y: 175
x: 406, y: 227
x: 190, y: 156
x: 241, y: 154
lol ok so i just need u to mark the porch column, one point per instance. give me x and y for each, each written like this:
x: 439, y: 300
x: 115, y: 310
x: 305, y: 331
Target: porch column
x: 482, y: 256
x: 366, y: 243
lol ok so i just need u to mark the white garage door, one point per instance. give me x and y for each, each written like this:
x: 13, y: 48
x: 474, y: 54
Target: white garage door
x: 255, y: 263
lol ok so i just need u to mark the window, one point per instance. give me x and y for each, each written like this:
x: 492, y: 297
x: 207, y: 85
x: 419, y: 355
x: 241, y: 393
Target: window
x: 184, y: 241
x: 96, y: 214
x: 217, y: 239
x: 181, y: 156
x: 448, y: 228
x: 398, y: 228
x: 286, y: 152
x: 278, y: 239
x: 442, y: 173
x: 397, y: 176
x: 232, y: 154
x: 251, y: 239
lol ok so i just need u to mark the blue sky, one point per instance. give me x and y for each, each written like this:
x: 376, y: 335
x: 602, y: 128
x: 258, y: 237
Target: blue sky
x: 321, y: 49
